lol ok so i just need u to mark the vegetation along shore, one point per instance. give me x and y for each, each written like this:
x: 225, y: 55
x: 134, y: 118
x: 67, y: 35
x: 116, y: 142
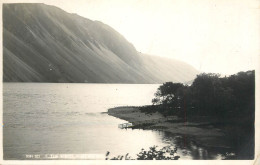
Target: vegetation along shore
x: 215, y: 111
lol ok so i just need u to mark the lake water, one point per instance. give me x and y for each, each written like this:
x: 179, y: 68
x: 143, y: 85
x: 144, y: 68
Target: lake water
x: 49, y: 118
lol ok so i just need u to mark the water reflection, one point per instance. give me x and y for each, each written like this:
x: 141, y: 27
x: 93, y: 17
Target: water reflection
x: 189, y: 149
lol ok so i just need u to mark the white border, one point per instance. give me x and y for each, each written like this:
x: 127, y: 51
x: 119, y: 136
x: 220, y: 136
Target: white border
x: 181, y: 162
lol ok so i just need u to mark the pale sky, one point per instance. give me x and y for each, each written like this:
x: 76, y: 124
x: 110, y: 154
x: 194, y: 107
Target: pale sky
x: 220, y: 36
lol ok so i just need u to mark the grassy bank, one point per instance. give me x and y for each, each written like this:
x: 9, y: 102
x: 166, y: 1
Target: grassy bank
x: 233, y: 134
x: 203, y: 132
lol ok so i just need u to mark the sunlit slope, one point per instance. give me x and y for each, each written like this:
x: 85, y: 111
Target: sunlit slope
x: 43, y: 43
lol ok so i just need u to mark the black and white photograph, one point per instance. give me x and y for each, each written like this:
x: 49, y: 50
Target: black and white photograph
x: 130, y: 80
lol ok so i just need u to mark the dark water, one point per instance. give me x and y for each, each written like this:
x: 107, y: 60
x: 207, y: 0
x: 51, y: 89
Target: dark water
x: 43, y: 118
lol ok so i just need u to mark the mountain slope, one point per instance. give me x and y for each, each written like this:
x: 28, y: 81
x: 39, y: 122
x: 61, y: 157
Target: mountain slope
x: 43, y: 43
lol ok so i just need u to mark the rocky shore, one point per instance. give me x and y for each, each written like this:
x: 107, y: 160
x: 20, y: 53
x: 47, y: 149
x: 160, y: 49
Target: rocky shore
x: 202, y: 132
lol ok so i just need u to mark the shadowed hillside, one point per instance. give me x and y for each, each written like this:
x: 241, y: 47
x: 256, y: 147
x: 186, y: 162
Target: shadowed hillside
x: 43, y: 43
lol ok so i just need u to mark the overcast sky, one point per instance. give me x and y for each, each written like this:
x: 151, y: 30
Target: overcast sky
x: 220, y: 36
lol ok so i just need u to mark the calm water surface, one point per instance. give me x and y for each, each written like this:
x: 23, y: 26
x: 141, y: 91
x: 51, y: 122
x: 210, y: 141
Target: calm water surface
x: 48, y: 118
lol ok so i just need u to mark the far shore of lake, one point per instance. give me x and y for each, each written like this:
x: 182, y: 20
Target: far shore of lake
x: 203, y: 132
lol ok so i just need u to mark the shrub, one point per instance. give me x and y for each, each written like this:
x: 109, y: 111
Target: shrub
x: 165, y: 153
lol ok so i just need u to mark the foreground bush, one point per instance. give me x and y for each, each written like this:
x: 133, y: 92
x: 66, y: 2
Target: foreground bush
x: 165, y: 153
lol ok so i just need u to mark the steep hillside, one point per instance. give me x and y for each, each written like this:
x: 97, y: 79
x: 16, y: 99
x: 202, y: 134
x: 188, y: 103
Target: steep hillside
x: 43, y: 43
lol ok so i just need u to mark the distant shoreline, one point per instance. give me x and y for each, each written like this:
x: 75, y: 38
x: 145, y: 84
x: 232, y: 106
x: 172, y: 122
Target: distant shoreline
x: 202, y: 133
